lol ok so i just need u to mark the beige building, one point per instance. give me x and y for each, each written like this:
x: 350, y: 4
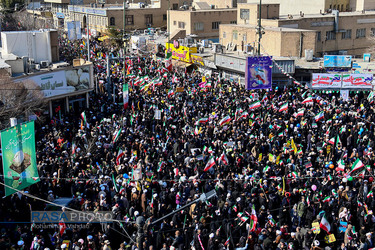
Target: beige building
x: 294, y: 7
x: 99, y: 15
x: 202, y: 23
x: 218, y: 4
x: 340, y: 33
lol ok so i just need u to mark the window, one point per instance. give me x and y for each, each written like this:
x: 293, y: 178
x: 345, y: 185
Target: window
x: 164, y: 17
x: 373, y: 32
x: 319, y: 36
x: 148, y: 19
x: 244, y: 38
x: 245, y: 14
x: 235, y: 34
x: 174, y: 23
x: 233, y: 22
x: 181, y: 25
x: 224, y: 34
x: 175, y: 6
x: 361, y: 33
x: 347, y: 34
x: 112, y: 21
x: 129, y: 20
x: 198, y: 26
x: 330, y: 35
x: 215, y: 25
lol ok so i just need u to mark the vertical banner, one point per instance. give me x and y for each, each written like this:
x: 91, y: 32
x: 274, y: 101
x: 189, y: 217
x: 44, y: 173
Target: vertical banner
x: 19, y: 160
x: 74, y: 30
x: 344, y: 94
x: 259, y: 72
x: 125, y: 95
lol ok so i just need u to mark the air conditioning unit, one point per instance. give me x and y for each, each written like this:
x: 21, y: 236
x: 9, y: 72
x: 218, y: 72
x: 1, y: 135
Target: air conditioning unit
x: 37, y: 66
x: 31, y: 61
x: 43, y: 64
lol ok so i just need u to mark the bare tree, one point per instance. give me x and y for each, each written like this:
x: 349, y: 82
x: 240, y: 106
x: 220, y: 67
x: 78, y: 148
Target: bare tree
x: 19, y: 99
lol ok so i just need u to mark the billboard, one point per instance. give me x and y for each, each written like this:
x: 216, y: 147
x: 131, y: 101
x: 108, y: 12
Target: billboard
x: 337, y: 61
x: 19, y: 161
x: 357, y: 81
x: 74, y: 30
x: 179, y: 52
x: 345, y: 81
x: 258, y: 72
x: 63, y: 81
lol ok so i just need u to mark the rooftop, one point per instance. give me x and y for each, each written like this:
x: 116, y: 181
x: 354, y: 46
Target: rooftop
x: 327, y: 15
x: 269, y: 28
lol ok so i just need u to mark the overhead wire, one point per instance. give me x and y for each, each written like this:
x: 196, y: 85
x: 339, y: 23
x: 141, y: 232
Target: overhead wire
x: 64, y: 207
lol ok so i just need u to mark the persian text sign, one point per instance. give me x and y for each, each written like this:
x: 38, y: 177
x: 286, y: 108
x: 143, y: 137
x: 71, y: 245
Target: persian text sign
x: 357, y: 81
x: 19, y: 161
x: 320, y: 81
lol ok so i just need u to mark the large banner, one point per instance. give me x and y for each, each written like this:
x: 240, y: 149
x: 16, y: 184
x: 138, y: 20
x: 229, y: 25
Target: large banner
x: 337, y: 61
x: 344, y: 81
x: 321, y: 81
x: 63, y: 81
x: 19, y: 161
x: 363, y: 81
x: 258, y: 72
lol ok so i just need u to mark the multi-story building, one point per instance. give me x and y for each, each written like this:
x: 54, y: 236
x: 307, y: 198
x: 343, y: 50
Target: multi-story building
x: 326, y: 33
x: 203, y: 23
x: 99, y: 15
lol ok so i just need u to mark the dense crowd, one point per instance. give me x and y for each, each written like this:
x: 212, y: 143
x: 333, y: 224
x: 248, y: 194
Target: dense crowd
x: 291, y: 169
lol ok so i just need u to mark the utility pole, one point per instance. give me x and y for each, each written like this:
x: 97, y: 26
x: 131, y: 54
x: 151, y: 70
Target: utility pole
x: 169, y: 21
x: 88, y: 37
x: 259, y: 26
x: 124, y: 40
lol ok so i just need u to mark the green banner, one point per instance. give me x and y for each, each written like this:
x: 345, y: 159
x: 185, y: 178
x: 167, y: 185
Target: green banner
x: 19, y: 160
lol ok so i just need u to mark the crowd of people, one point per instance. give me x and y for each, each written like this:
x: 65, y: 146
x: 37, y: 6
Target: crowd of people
x: 291, y: 169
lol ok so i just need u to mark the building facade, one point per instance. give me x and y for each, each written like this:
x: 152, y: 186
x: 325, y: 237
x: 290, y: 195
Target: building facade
x: 204, y: 24
x: 333, y: 33
x: 103, y: 14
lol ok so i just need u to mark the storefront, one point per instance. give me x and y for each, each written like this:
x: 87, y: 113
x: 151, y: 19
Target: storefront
x: 66, y: 89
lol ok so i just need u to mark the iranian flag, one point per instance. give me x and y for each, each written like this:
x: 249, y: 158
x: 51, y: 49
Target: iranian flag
x: 117, y: 135
x: 327, y: 199
x: 196, y: 131
x: 340, y: 165
x: 119, y: 155
x: 307, y: 100
x: 370, y: 194
x: 168, y: 62
x: 319, y: 116
x: 202, y: 120
x: 170, y: 93
x: 161, y: 165
x: 254, y: 220
x: 62, y: 227
x: 83, y: 116
x: 300, y: 112
x: 357, y: 165
x: 176, y: 171
x: 332, y: 141
x: 244, y: 115
x: 324, y: 224
x: 244, y: 218
x: 125, y: 95
x: 255, y: 105
x: 225, y: 120
x: 223, y: 158
x: 283, y: 107
x: 210, y: 164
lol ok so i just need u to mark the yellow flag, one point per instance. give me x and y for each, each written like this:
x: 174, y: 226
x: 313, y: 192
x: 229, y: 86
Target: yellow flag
x: 278, y: 160
x: 260, y: 156
x: 294, y: 147
x: 271, y: 157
